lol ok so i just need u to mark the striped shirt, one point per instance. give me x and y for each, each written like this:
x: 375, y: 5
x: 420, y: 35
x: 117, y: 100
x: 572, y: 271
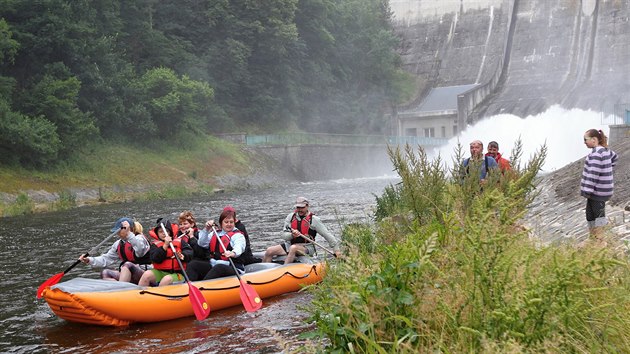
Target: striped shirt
x: 597, y: 176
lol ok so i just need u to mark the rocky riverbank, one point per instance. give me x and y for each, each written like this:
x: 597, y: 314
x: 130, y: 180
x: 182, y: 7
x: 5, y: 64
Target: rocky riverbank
x: 557, y: 213
x: 259, y: 171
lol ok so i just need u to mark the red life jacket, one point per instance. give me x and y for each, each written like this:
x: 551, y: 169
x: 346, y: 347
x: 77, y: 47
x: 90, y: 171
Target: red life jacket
x: 303, y: 226
x: 216, y: 251
x: 169, y: 264
x: 127, y: 254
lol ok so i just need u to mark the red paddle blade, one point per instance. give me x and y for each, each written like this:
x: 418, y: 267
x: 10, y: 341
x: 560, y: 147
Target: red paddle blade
x: 50, y: 282
x: 199, y: 304
x: 249, y: 297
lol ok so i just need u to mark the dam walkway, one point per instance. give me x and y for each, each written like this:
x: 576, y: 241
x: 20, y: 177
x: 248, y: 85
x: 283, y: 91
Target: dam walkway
x: 330, y: 139
x: 311, y: 157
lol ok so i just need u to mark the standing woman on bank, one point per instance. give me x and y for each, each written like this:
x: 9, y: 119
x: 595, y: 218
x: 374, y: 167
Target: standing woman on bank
x: 597, y: 181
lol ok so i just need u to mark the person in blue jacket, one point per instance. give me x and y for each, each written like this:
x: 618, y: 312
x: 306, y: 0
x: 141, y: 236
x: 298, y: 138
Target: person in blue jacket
x: 477, y: 157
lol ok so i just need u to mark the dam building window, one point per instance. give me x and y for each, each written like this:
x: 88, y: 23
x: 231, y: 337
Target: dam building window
x: 454, y: 130
x: 443, y: 132
x: 411, y: 132
x: 429, y: 132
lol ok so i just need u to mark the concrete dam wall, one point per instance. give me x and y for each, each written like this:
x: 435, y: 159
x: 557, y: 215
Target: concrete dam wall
x: 526, y: 55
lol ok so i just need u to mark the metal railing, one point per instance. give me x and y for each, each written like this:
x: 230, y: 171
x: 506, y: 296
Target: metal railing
x: 618, y: 115
x: 338, y: 139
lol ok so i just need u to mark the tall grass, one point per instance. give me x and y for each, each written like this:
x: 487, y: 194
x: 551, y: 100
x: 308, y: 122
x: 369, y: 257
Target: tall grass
x: 447, y: 268
x: 67, y: 200
x: 106, y: 166
x: 172, y: 192
x: 22, y: 205
x: 130, y: 164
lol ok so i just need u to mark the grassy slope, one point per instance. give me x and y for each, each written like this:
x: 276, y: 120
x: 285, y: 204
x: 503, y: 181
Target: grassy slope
x: 448, y: 268
x: 109, y: 164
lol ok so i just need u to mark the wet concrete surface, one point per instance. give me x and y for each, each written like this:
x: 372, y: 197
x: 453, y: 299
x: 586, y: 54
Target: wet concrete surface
x: 566, y: 52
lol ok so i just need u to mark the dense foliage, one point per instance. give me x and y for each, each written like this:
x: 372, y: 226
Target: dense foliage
x: 73, y: 71
x: 447, y: 268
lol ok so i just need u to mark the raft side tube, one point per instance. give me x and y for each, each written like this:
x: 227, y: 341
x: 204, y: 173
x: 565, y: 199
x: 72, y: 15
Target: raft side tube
x: 80, y: 285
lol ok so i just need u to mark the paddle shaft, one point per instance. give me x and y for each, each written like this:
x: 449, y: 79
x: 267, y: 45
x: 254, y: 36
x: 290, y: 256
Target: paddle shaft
x: 317, y: 244
x: 95, y: 248
x: 229, y: 258
x: 197, y: 300
x: 92, y: 251
x: 55, y: 278
x: 74, y: 264
x: 249, y: 297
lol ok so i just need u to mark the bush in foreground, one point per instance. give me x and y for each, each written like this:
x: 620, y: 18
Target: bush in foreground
x: 446, y: 268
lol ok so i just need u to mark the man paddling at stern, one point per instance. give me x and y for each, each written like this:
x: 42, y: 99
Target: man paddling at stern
x: 299, y: 225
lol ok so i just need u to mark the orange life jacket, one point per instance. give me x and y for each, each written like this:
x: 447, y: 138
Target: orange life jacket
x: 169, y: 264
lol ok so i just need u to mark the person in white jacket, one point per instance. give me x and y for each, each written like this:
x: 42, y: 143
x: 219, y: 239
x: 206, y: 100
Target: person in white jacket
x: 129, y: 254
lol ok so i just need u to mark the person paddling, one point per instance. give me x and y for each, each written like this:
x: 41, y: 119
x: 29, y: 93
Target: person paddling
x: 166, y: 269
x: 297, y: 225
x: 247, y: 256
x: 189, y: 232
x: 234, y: 245
x: 198, y: 268
x: 129, y: 252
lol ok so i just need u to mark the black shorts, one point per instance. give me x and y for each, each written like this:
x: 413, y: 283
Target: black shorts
x: 595, y: 209
x: 310, y: 249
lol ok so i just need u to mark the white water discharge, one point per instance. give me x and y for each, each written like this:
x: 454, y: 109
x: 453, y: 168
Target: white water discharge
x: 560, y: 129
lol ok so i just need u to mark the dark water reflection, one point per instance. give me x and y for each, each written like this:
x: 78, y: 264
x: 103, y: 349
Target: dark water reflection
x: 35, y: 247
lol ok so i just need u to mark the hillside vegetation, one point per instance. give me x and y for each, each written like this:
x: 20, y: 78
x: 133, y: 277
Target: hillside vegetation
x: 74, y: 72
x: 122, y: 172
x: 448, y: 268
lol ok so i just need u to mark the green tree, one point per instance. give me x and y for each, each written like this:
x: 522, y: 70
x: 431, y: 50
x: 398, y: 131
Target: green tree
x: 31, y: 141
x: 23, y: 139
x: 250, y: 58
x: 8, y: 49
x: 351, y: 69
x: 82, y: 36
x: 54, y: 97
x: 110, y: 68
x: 8, y: 45
x: 170, y: 106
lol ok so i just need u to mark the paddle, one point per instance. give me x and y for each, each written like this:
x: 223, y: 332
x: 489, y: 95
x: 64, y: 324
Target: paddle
x: 317, y: 244
x: 288, y: 229
x: 57, y: 277
x: 199, y: 304
x: 249, y: 297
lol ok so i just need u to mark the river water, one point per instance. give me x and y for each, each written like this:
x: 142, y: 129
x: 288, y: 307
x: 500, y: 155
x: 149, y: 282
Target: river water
x: 35, y: 247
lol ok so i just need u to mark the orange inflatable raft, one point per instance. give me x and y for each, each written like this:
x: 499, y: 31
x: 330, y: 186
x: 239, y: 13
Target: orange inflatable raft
x: 108, y: 303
